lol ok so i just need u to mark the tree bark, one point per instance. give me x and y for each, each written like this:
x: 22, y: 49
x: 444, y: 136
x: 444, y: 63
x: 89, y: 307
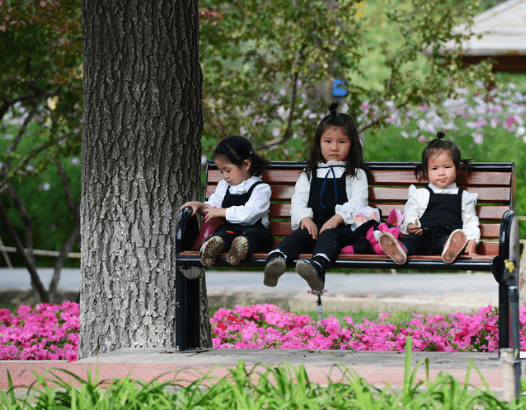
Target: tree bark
x: 141, y: 150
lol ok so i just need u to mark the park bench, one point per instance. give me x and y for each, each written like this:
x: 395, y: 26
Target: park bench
x: 494, y: 183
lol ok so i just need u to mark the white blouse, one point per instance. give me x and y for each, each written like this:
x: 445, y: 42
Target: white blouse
x: 357, y: 190
x: 419, y: 199
x: 256, y: 208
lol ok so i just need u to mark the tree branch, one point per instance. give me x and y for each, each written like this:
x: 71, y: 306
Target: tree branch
x: 30, y: 265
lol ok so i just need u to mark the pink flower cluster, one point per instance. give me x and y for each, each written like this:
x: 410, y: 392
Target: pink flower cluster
x: 267, y: 327
x: 48, y: 332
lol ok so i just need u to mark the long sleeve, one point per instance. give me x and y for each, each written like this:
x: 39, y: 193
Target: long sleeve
x: 298, y: 204
x: 414, y: 207
x: 216, y: 199
x: 470, y: 220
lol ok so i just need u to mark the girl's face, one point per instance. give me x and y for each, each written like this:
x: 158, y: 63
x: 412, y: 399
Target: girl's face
x: 335, y: 144
x: 441, y: 170
x: 233, y: 174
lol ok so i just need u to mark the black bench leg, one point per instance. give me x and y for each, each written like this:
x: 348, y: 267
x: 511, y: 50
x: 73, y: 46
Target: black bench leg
x: 504, y: 317
x: 187, y: 318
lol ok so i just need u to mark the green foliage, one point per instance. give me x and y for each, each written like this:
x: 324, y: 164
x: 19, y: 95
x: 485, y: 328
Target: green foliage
x: 41, y: 70
x: 267, y: 65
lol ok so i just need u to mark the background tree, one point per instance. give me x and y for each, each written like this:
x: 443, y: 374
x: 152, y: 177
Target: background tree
x: 267, y: 64
x: 40, y: 44
x: 140, y: 155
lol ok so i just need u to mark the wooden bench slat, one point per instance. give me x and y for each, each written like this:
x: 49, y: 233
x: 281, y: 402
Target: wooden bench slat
x: 484, y: 212
x: 476, y: 178
x: 402, y: 177
x: 486, y: 194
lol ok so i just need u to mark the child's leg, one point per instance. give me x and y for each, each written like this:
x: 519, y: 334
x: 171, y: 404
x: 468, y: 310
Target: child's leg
x: 327, y: 248
x: 250, y: 239
x: 222, y: 239
x: 286, y: 250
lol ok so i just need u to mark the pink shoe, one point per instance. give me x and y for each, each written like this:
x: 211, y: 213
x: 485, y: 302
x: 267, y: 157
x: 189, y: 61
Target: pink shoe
x: 393, y: 248
x: 395, y: 218
x: 349, y: 250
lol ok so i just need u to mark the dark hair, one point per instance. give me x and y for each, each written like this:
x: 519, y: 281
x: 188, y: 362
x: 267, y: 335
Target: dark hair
x: 236, y: 150
x: 346, y: 123
x: 435, y: 147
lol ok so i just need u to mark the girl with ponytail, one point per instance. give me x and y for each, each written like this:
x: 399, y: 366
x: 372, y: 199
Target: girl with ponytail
x: 333, y: 186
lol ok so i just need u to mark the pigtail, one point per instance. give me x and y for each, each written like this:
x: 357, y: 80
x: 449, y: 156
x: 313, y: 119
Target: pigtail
x: 333, y: 109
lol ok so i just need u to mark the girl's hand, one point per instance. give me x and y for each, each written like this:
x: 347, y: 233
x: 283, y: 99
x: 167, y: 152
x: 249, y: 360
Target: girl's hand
x: 332, y: 223
x: 196, y: 206
x: 308, y: 224
x: 212, y: 212
x: 414, y: 229
x: 471, y: 247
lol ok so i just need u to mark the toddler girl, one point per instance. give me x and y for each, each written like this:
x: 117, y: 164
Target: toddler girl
x: 441, y: 217
x: 327, y: 194
x: 242, y: 199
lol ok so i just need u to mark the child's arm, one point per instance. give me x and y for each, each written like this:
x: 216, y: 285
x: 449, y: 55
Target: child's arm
x: 357, y: 189
x: 308, y: 224
x: 470, y: 221
x: 332, y: 223
x: 196, y: 207
x: 413, y: 211
x: 298, y: 205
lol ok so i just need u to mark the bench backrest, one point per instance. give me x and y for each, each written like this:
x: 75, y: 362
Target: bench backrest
x: 494, y: 183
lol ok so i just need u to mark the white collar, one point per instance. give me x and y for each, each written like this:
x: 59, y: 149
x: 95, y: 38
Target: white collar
x: 449, y: 189
x: 331, y: 163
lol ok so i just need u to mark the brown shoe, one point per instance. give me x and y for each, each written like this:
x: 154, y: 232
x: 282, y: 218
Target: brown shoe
x: 211, y: 249
x: 455, y: 244
x: 238, y: 251
x: 392, y: 248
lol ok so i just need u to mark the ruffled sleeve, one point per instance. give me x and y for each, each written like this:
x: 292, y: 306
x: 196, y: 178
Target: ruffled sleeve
x: 300, y: 199
x: 414, y: 207
x: 470, y: 220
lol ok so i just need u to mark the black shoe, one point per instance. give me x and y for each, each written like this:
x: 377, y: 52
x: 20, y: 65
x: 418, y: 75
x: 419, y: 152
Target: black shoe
x: 308, y: 271
x: 274, y: 268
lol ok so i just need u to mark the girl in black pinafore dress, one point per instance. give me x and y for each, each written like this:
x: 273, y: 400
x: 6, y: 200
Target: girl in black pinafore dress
x: 332, y: 187
x: 440, y: 218
x: 241, y: 201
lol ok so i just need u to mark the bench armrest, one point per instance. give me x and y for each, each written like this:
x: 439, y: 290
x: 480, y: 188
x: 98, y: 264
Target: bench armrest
x: 509, y: 244
x: 187, y: 230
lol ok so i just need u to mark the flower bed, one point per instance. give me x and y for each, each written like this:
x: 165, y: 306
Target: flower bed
x: 50, y: 332
x: 267, y: 327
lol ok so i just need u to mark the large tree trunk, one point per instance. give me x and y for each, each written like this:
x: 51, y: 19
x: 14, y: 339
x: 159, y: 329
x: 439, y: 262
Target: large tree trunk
x: 140, y: 157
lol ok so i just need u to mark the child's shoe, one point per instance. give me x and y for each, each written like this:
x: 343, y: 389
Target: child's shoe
x: 238, y: 251
x: 454, y: 245
x: 308, y: 271
x: 274, y: 268
x: 392, y: 247
x: 211, y: 249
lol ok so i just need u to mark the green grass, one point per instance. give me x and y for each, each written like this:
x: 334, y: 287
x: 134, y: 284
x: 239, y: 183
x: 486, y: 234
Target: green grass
x: 261, y: 387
